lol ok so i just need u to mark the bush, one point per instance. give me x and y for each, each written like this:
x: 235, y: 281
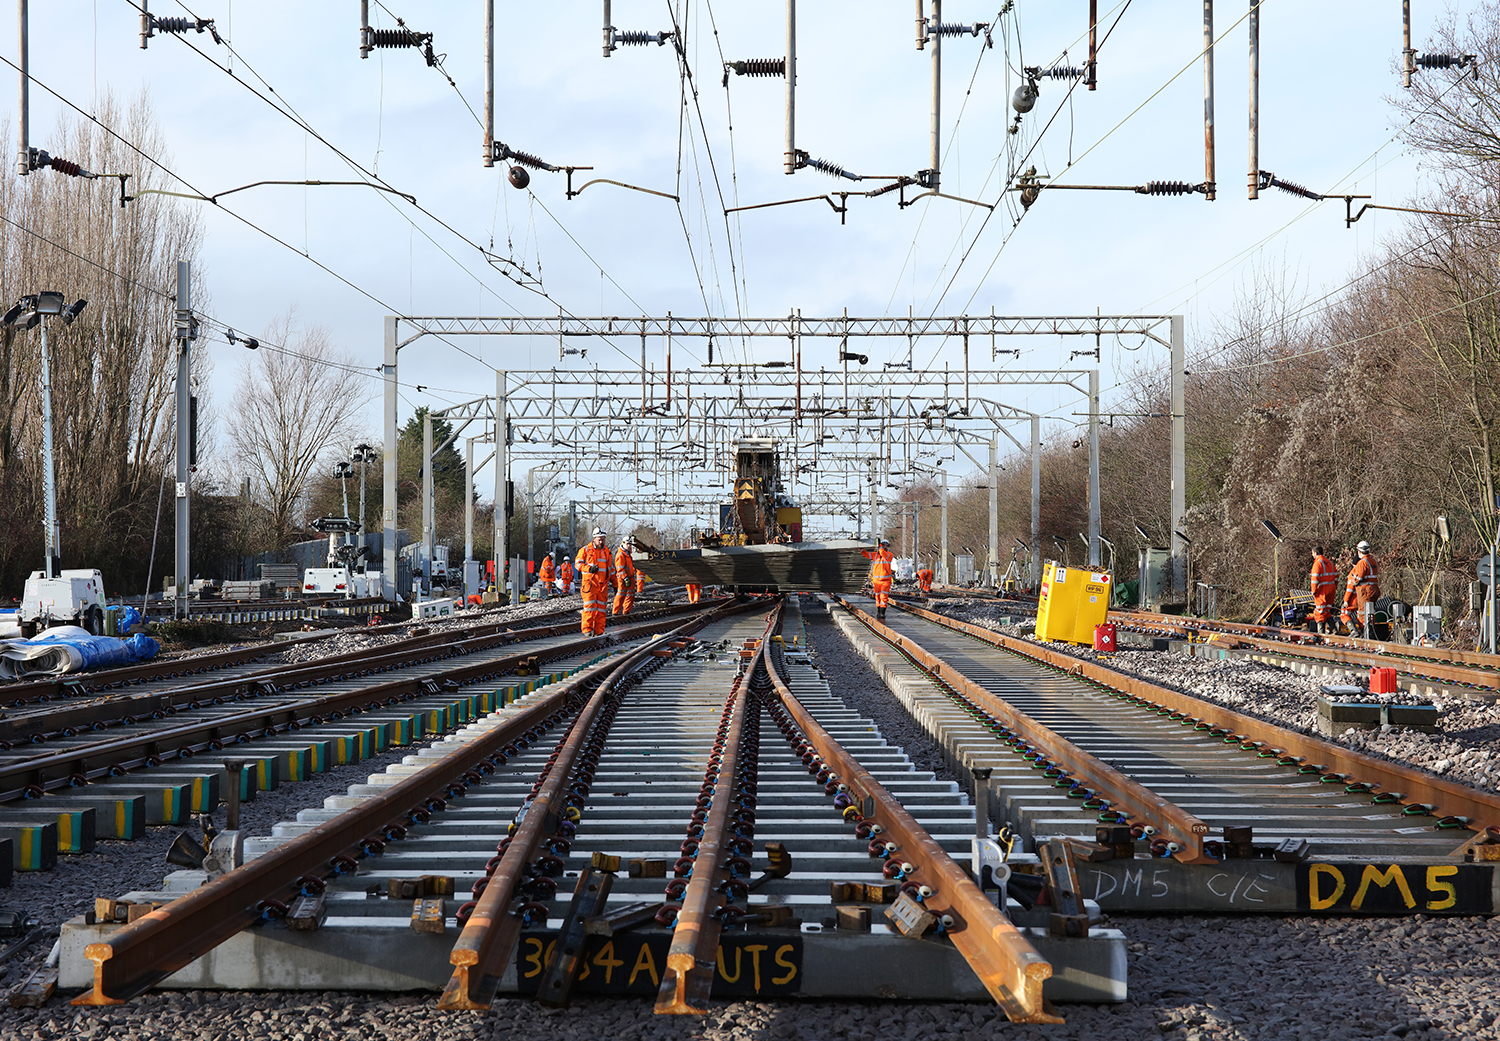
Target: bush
x: 192, y: 632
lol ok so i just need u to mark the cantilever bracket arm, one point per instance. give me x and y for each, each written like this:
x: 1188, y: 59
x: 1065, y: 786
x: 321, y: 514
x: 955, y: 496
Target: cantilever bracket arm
x: 787, y: 202
x: 944, y: 195
x: 1350, y: 216
x: 256, y: 184
x: 606, y: 180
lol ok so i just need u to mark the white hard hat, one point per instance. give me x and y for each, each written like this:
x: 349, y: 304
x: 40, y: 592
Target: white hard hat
x: 1363, y: 547
x: 598, y: 533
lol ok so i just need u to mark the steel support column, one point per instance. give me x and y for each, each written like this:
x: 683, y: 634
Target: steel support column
x: 943, y: 571
x: 468, y: 500
x: 791, y: 86
x: 1094, y: 552
x: 184, y: 330
x: 993, y: 570
x: 429, y: 549
x: 1036, y: 502
x: 1179, y: 460
x: 388, y: 500
x: 502, y: 473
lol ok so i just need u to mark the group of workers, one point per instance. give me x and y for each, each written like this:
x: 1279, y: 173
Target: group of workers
x: 600, y: 573
x: 1361, y: 590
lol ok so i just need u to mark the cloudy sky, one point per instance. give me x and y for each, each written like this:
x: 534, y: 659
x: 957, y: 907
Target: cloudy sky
x: 294, y: 101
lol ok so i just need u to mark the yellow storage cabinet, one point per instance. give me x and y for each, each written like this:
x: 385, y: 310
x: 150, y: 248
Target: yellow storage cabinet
x: 1074, y: 600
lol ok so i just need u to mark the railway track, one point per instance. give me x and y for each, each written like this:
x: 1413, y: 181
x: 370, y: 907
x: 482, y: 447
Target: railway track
x: 1233, y: 812
x: 1421, y: 670
x: 158, y: 749
x: 710, y: 802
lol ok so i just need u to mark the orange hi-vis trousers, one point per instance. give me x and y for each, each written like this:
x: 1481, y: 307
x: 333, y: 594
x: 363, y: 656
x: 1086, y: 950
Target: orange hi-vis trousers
x: 625, y: 596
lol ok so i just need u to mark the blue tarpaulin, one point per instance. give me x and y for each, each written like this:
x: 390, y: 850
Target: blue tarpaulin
x: 70, y: 648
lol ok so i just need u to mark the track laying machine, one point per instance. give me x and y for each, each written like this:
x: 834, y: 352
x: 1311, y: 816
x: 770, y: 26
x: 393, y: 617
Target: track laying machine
x: 758, y: 544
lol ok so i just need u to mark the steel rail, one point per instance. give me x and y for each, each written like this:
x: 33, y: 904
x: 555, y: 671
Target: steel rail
x: 118, y: 709
x: 688, y: 978
x: 1002, y: 958
x: 483, y: 948
x: 86, y: 713
x: 169, y: 938
x: 1416, y: 788
x: 104, y: 679
x: 66, y: 767
x: 1424, y: 670
x: 1383, y: 650
x: 1121, y: 792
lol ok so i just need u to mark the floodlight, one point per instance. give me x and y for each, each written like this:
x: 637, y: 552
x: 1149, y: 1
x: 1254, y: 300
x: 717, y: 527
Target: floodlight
x: 14, y: 313
x: 49, y: 303
x: 1142, y: 533
x: 1442, y: 527
x: 73, y: 310
x: 1275, y: 532
x: 1181, y: 536
x: 1020, y: 543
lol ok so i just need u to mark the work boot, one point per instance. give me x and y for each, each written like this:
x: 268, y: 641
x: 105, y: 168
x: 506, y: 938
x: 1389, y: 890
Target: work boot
x: 880, y: 614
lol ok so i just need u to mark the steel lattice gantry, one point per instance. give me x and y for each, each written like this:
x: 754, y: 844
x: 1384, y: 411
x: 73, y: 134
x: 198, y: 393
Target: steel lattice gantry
x: 835, y: 423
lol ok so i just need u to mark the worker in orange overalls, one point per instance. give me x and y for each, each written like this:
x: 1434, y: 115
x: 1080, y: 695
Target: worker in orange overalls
x: 1363, y: 588
x: 1325, y: 580
x: 881, y: 573
x: 545, y: 576
x: 694, y: 593
x: 596, y: 570
x: 565, y: 575
x: 924, y: 580
x: 625, y: 576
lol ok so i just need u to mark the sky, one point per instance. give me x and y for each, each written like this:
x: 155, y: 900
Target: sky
x: 293, y: 100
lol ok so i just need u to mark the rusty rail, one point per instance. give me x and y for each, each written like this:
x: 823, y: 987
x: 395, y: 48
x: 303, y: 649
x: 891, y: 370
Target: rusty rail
x: 97, y: 760
x: 688, y: 979
x: 483, y: 949
x: 1469, y: 668
x: 1447, y: 798
x: 1121, y: 792
x: 88, y: 707
x: 1425, y: 669
x: 159, y: 943
x: 1002, y: 958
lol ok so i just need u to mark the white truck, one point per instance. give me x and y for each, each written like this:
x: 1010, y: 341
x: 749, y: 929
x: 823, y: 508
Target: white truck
x: 340, y: 581
x: 74, y: 597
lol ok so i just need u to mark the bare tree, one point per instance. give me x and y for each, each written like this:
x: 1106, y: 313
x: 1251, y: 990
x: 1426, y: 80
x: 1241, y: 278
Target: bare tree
x: 294, y: 403
x: 113, y: 369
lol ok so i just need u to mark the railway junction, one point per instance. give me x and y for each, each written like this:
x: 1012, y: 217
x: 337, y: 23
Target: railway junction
x: 727, y: 809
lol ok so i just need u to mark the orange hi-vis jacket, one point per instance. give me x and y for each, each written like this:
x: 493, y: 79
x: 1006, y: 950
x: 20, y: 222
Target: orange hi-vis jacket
x: 544, y: 572
x: 624, y: 569
x: 565, y: 571
x: 1363, y: 586
x: 882, y: 569
x: 596, y: 571
x: 1324, y: 579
